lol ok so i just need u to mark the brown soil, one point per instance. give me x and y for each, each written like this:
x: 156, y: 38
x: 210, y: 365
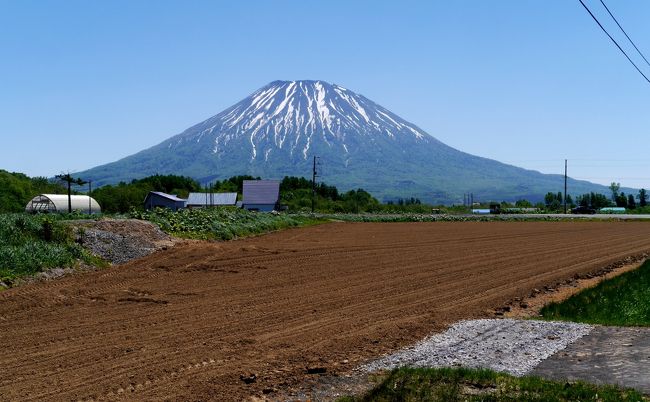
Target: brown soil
x: 229, y: 321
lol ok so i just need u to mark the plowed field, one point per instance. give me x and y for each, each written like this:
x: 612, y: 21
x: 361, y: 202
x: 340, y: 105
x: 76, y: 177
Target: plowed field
x: 187, y: 322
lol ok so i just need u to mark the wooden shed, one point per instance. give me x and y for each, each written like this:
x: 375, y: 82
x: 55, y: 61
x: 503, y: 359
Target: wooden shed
x: 163, y: 200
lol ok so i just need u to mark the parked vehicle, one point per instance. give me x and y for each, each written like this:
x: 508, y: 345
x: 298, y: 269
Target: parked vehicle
x: 583, y: 210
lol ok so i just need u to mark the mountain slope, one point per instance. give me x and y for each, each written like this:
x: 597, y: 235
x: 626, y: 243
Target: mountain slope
x: 276, y: 130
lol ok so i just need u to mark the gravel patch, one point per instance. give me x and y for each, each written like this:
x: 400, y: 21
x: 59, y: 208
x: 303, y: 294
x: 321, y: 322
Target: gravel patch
x: 512, y: 346
x: 121, y: 240
x: 115, y: 248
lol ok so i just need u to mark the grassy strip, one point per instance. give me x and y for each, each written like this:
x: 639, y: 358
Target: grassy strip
x: 460, y: 384
x: 221, y: 223
x: 623, y: 300
x: 412, y: 217
x: 32, y: 243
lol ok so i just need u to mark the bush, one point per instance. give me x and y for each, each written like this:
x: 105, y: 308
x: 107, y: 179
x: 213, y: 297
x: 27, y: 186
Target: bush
x: 32, y: 243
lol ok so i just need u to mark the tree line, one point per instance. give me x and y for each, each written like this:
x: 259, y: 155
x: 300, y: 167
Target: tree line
x: 617, y: 198
x: 16, y: 189
x: 295, y: 193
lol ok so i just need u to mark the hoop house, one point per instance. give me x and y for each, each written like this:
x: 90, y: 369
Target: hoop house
x: 59, y: 203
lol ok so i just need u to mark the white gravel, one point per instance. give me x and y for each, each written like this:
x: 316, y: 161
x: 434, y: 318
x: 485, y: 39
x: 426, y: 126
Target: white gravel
x: 512, y: 346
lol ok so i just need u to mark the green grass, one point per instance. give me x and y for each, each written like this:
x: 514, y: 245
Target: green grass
x: 460, y: 384
x: 32, y: 243
x: 623, y: 300
x: 416, y: 217
x: 221, y: 223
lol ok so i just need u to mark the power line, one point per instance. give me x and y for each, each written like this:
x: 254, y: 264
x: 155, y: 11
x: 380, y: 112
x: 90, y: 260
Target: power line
x: 613, y: 40
x: 626, y: 35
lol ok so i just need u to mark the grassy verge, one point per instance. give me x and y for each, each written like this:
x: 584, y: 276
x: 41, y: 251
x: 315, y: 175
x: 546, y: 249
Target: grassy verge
x: 446, y: 384
x: 414, y: 217
x: 623, y: 300
x: 32, y: 243
x: 221, y: 223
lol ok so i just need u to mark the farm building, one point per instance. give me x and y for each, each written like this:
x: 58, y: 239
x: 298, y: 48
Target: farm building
x: 200, y: 200
x: 261, y: 195
x: 163, y: 200
x: 59, y: 203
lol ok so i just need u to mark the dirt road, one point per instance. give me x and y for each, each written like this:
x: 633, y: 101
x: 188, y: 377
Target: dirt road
x: 187, y: 323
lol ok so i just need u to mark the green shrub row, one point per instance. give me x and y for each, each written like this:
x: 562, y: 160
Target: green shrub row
x: 222, y: 223
x: 410, y: 217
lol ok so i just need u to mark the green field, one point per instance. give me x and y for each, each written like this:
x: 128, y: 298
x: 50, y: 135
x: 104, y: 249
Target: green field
x: 32, y: 243
x: 460, y: 384
x: 623, y: 300
x: 221, y: 223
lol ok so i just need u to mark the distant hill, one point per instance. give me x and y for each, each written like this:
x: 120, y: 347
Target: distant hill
x: 276, y: 130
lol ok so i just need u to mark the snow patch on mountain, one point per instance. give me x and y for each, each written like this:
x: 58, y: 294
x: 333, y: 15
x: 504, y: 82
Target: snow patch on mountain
x: 297, y: 114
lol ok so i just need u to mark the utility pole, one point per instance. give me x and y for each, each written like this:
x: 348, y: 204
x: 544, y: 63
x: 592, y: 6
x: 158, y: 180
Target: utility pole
x: 565, y: 163
x: 70, y: 180
x: 90, y: 190
x: 313, y: 185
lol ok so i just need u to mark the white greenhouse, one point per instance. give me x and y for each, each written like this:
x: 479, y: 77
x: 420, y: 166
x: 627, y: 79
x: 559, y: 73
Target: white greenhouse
x: 59, y: 203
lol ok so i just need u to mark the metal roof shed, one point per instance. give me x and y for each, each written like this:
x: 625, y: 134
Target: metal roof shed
x: 200, y: 200
x: 163, y: 200
x: 261, y: 195
x: 59, y: 203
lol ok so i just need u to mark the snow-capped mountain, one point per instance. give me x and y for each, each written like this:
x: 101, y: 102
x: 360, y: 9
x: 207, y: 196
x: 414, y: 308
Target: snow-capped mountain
x: 293, y: 118
x: 277, y: 130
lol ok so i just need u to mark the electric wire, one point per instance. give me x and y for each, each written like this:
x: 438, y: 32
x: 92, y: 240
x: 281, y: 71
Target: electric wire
x: 613, y: 40
x: 623, y: 30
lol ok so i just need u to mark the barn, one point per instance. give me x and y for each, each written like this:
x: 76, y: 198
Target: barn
x: 201, y: 200
x: 59, y: 203
x: 261, y: 195
x: 158, y: 199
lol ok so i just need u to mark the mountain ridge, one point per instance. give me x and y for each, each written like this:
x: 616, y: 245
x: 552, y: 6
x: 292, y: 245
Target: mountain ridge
x: 275, y: 131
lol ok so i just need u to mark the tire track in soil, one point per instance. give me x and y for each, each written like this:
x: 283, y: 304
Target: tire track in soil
x: 275, y: 304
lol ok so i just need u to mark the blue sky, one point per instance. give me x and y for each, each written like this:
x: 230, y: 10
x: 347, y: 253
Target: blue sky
x: 524, y: 82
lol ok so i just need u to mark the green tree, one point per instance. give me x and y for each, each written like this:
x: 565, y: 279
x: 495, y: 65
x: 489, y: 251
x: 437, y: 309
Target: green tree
x: 621, y: 200
x: 553, y: 201
x: 593, y: 200
x: 122, y: 197
x: 631, y: 203
x: 614, y: 187
x: 16, y: 189
x: 643, y: 198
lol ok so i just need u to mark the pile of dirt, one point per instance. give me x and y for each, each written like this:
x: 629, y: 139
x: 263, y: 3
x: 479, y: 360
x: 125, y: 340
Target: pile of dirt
x: 121, y: 240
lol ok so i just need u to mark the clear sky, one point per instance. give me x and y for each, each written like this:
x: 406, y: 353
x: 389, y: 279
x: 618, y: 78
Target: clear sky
x: 530, y: 83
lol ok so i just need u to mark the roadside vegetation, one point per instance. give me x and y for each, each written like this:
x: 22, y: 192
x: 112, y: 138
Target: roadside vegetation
x: 623, y: 300
x: 32, y: 243
x: 460, y: 384
x: 220, y: 223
